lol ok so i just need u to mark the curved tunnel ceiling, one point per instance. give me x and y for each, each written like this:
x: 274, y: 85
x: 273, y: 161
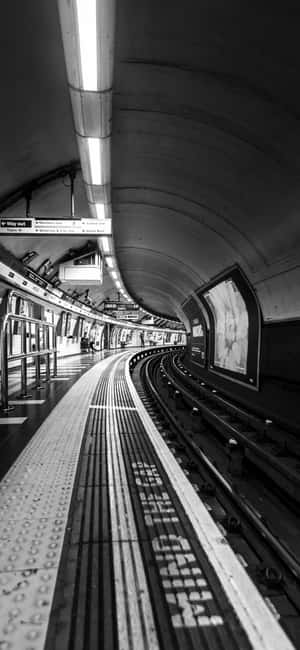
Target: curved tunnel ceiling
x: 205, y: 147
x: 206, y: 144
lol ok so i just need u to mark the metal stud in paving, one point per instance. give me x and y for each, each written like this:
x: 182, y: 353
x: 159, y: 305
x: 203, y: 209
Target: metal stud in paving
x: 24, y: 607
x: 30, y: 544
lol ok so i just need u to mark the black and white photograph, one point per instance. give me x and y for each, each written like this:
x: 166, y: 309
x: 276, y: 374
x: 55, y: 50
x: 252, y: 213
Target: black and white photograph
x: 149, y: 325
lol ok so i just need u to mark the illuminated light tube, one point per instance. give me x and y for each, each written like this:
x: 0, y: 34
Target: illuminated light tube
x: 87, y: 30
x: 95, y: 160
x: 114, y: 275
x: 110, y: 262
x: 118, y: 284
x: 100, y: 210
x: 95, y: 163
x: 105, y: 243
x: 104, y: 210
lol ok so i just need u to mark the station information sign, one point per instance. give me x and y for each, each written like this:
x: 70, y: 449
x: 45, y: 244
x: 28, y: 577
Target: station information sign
x: 197, y: 346
x: 35, y: 278
x: 38, y: 226
x: 120, y: 306
x: 121, y: 315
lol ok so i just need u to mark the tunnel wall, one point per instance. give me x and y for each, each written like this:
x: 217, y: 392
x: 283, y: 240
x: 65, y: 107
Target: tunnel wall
x: 278, y: 396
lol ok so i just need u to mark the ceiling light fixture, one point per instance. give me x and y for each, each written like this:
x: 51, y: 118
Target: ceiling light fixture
x: 87, y: 29
x: 110, y: 262
x: 95, y: 160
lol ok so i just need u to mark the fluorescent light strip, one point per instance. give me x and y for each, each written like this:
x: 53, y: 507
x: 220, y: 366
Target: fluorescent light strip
x: 109, y: 262
x: 87, y: 28
x: 95, y: 160
x: 100, y: 210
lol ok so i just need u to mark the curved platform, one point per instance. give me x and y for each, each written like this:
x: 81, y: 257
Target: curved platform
x: 105, y: 543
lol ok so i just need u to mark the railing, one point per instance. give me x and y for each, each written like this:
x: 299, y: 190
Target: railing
x: 44, y: 348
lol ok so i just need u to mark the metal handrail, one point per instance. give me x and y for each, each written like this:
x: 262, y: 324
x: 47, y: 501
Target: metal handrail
x: 36, y: 354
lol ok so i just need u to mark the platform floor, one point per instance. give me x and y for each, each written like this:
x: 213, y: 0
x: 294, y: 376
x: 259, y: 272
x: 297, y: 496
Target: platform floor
x: 104, y: 543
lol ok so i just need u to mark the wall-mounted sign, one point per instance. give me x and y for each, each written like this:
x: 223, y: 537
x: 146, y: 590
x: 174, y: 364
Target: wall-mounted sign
x: 197, y: 343
x: 231, y: 326
x: 33, y: 226
x: 35, y: 278
x: 235, y: 327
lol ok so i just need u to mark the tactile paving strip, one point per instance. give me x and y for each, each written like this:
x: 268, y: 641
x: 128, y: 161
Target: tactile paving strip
x: 128, y: 529
x: 196, y: 607
x: 109, y: 575
x: 34, y: 502
x: 31, y: 543
x: 26, y: 598
x: 136, y: 626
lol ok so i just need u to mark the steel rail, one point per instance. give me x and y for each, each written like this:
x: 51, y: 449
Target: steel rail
x: 276, y: 545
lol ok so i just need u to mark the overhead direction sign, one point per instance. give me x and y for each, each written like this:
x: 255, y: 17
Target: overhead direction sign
x: 121, y: 315
x: 37, y: 226
x: 122, y: 306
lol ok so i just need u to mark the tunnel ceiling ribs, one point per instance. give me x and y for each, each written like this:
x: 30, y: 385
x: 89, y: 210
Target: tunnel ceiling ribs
x: 205, y: 144
x: 206, y: 127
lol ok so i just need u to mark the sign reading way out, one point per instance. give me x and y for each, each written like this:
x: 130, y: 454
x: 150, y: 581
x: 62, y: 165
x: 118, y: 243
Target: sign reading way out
x: 33, y: 226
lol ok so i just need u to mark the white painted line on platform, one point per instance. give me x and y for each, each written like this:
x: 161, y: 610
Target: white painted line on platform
x: 12, y: 420
x: 112, y: 407
x: 135, y: 620
x: 260, y: 625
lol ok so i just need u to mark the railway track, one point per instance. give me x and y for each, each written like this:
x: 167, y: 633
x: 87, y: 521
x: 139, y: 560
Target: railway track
x: 273, y: 450
x: 270, y: 559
